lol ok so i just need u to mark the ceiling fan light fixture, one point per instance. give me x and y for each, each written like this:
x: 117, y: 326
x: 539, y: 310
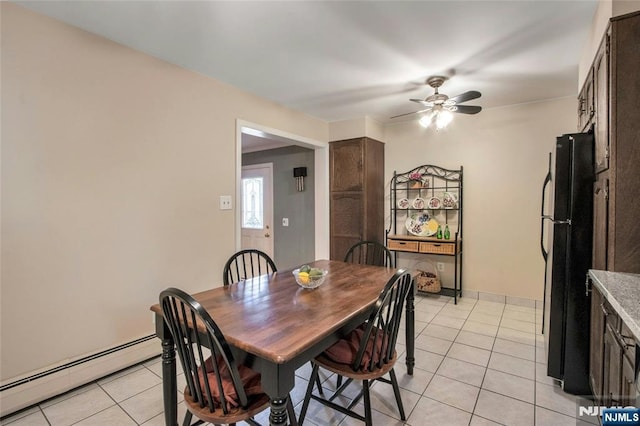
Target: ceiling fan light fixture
x: 438, y: 115
x: 439, y: 108
x: 426, y: 120
x: 443, y: 119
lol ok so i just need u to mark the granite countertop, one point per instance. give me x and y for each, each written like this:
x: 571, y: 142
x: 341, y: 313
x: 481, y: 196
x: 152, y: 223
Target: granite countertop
x: 622, y: 291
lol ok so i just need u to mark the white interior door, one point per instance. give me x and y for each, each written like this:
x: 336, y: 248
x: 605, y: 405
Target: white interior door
x: 257, y: 207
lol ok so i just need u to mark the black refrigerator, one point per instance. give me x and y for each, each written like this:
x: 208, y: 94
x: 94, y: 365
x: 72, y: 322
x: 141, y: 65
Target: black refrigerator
x: 567, y: 225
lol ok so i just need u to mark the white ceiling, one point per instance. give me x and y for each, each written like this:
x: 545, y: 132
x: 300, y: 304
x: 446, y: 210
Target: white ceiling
x: 341, y: 60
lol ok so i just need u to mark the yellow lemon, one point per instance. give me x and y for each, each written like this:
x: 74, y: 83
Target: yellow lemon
x: 303, y: 277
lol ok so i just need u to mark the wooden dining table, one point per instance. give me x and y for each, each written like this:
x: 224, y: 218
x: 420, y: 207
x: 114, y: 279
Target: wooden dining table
x: 275, y: 326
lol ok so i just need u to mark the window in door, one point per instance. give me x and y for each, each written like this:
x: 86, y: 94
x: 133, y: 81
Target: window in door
x: 252, y: 205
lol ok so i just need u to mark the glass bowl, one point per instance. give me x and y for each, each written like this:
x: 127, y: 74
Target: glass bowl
x: 312, y: 281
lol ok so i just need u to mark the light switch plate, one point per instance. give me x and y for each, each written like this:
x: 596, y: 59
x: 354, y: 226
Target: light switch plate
x: 225, y: 202
x: 285, y: 221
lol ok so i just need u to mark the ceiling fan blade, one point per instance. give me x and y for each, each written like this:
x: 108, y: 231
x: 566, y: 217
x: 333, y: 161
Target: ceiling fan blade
x: 466, y: 109
x: 466, y: 96
x: 409, y: 113
x: 422, y: 102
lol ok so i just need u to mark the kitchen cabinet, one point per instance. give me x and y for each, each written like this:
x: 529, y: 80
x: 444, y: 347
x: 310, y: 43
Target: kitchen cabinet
x: 356, y: 183
x: 629, y: 379
x: 619, y: 388
x: 600, y: 220
x: 426, y: 218
x: 586, y: 110
x: 596, y: 364
x: 600, y: 72
x: 614, y: 365
x: 617, y: 152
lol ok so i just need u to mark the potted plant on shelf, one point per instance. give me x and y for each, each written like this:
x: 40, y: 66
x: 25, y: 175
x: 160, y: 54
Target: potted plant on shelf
x: 415, y: 180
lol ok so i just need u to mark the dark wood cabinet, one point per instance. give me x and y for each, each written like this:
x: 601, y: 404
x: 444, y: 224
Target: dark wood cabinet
x: 596, y: 364
x: 624, y: 192
x: 627, y: 383
x: 356, y: 174
x: 586, y: 109
x: 616, y: 245
x: 601, y: 103
x: 600, y: 221
x: 612, y: 366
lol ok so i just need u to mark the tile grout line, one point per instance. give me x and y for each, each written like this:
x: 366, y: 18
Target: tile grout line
x: 492, y: 351
x: 487, y: 368
x: 46, y: 419
x: 447, y: 353
x: 534, y: 369
x: 433, y: 374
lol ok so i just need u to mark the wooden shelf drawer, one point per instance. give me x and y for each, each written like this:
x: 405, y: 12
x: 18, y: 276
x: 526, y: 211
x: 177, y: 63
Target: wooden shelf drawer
x: 400, y: 245
x: 438, y: 248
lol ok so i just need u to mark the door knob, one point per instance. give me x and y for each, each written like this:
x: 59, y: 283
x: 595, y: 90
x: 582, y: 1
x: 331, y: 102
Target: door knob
x: 267, y: 235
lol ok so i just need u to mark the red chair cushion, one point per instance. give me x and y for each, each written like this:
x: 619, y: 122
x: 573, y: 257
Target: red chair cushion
x: 345, y: 350
x: 250, y: 381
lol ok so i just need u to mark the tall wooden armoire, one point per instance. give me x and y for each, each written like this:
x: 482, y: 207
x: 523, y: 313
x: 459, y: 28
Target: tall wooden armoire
x: 356, y: 182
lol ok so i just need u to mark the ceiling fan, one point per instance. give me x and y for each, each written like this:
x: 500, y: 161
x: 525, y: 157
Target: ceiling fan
x: 439, y: 107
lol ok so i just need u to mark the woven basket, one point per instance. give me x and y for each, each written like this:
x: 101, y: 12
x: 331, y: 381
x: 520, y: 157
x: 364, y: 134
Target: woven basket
x: 428, y: 281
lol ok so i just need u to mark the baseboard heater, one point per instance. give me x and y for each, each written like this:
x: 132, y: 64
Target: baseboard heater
x: 27, y: 391
x: 76, y: 362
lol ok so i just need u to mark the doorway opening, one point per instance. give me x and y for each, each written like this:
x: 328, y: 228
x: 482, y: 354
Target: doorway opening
x: 300, y: 226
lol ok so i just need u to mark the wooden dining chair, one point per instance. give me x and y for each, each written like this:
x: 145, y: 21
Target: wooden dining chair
x: 367, y: 353
x: 218, y: 390
x: 369, y: 253
x: 247, y: 264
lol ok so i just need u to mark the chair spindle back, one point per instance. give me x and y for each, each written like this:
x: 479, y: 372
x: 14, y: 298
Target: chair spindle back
x: 381, y: 330
x: 369, y: 253
x: 202, y: 350
x: 247, y: 264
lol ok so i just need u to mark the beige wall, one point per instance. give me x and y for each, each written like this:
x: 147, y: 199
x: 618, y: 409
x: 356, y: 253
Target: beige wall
x: 355, y: 128
x: 112, y: 165
x: 113, y: 161
x: 504, y: 152
x: 605, y: 10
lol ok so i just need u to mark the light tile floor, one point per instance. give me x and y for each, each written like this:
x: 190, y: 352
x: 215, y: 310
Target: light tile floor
x: 477, y: 363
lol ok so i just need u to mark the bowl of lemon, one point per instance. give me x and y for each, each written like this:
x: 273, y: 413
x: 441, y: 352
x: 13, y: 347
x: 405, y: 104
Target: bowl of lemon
x: 308, y: 277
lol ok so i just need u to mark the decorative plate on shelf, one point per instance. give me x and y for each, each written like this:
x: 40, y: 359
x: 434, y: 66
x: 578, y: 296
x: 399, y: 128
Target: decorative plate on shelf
x: 449, y: 200
x: 403, y: 203
x: 421, y: 225
x: 418, y: 203
x: 434, y: 203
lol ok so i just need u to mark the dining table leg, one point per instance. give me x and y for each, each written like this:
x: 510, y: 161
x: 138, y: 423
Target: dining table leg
x: 278, y: 381
x: 169, y: 385
x: 278, y: 415
x: 410, y: 329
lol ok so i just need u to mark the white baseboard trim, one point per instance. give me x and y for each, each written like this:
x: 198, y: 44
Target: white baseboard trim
x: 491, y: 297
x: 46, y: 386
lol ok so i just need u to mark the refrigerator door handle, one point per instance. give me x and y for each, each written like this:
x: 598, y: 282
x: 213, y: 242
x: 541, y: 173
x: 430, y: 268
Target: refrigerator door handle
x: 586, y: 285
x: 559, y: 222
x: 547, y: 179
x: 544, y: 252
